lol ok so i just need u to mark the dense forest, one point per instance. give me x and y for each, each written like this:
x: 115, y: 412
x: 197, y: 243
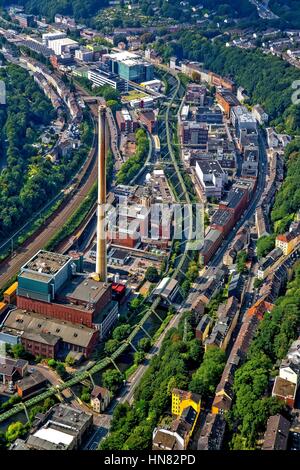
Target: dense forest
x: 252, y: 385
x: 288, y: 10
x: 28, y: 180
x: 27, y: 109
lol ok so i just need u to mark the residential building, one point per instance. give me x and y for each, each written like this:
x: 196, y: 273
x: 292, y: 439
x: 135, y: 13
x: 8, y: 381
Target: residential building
x: 277, y: 433
x: 285, y: 391
x: 195, y: 94
x: 182, y: 399
x: 224, y: 392
x: 203, y: 328
x: 148, y: 118
x: 212, y: 433
x: 289, y: 240
x: 294, y: 434
x: 100, y: 399
x: 212, y: 242
x: 226, y: 100
x: 267, y: 263
x: 186, y: 409
x: 125, y: 121
x: 227, y: 320
x: 12, y: 370
x: 260, y: 115
x: 25, y: 21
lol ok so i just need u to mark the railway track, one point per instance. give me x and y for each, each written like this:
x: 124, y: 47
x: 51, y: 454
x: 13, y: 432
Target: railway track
x: 86, y: 178
x: 149, y: 308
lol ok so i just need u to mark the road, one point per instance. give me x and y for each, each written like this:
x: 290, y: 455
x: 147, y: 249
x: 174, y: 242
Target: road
x: 217, y: 259
x: 103, y: 421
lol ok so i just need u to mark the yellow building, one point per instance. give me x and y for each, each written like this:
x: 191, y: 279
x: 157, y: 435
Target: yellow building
x: 183, y: 399
x: 288, y: 241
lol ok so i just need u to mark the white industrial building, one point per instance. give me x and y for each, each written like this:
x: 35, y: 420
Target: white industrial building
x: 211, y: 177
x: 46, y: 37
x: 62, y: 45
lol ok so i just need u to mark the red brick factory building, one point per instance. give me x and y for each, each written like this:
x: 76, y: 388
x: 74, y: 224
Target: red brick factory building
x: 59, y: 307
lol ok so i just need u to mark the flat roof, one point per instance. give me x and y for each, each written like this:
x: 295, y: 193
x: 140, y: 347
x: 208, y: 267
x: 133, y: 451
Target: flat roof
x: 221, y: 217
x: 210, y: 166
x: 62, y: 41
x: 46, y: 262
x: 54, y: 436
x: 83, y: 289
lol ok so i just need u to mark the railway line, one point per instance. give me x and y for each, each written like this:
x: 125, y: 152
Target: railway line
x: 85, y: 180
x: 149, y: 309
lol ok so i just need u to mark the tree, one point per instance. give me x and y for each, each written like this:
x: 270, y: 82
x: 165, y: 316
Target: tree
x: 18, y: 350
x: 139, y: 357
x: 241, y: 261
x: 140, y: 439
x: 264, y: 245
x: 151, y: 274
x: 14, y: 431
x: 144, y: 344
x: 111, y: 346
x: 85, y: 395
x: 257, y: 283
x: 60, y: 369
x: 112, y: 379
x: 206, y: 378
x: 135, y: 304
x: 121, y: 332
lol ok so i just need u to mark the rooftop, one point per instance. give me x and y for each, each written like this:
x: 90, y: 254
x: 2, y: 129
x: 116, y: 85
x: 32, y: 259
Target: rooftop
x: 36, y: 326
x: 83, y: 289
x: 9, y: 365
x: 284, y: 388
x: 212, y: 432
x: 164, y: 439
x: 35, y: 378
x: 46, y: 262
x: 277, y: 432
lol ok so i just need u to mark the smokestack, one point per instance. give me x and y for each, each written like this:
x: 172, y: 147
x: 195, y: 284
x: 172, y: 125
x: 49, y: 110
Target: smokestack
x: 101, y: 267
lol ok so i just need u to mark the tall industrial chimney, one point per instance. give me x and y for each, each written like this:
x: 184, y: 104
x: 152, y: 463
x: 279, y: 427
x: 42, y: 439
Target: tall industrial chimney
x: 101, y: 266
